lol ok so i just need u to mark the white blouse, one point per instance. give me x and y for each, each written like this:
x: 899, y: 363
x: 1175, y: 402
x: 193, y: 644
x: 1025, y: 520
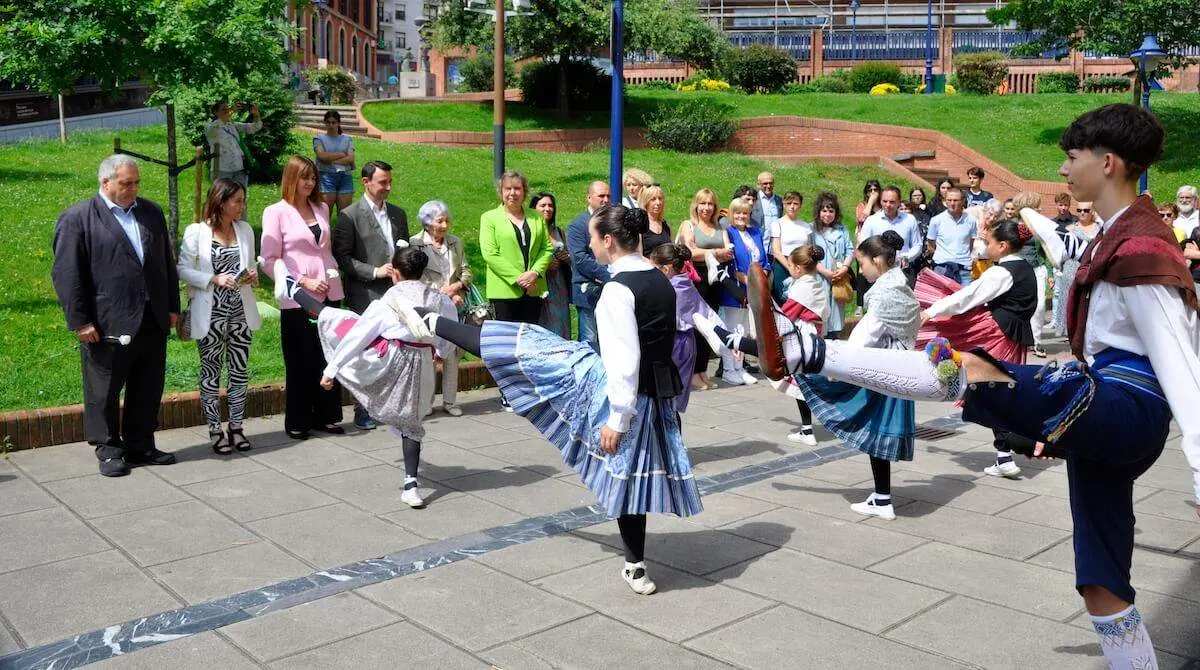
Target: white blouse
x: 993, y: 283
x: 381, y: 318
x: 791, y: 233
x: 620, y: 348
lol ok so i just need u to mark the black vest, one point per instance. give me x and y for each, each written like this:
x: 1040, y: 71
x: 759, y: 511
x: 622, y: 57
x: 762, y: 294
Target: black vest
x: 1014, y: 309
x: 654, y: 310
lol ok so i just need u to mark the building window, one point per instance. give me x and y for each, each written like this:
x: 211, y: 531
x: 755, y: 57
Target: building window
x: 401, y: 41
x: 313, y: 36
x: 400, y: 13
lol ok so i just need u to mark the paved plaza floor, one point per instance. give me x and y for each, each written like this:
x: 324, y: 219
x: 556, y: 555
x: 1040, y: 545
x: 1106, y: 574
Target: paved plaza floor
x: 301, y: 555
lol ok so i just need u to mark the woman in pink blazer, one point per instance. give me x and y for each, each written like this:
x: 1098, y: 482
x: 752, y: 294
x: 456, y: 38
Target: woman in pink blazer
x: 295, y: 232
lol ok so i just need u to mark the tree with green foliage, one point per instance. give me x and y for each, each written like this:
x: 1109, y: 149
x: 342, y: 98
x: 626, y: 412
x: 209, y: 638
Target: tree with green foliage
x: 1107, y: 26
x: 174, y: 45
x: 571, y: 29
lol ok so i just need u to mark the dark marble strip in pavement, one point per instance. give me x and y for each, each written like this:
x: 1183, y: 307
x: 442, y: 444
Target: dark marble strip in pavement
x: 131, y: 636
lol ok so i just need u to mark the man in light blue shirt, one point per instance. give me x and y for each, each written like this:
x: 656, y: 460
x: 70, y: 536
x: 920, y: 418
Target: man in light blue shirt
x: 128, y: 221
x: 768, y: 207
x: 951, y: 235
x: 891, y: 218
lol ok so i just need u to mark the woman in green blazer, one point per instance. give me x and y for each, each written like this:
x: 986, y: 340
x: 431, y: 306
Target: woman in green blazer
x: 517, y: 250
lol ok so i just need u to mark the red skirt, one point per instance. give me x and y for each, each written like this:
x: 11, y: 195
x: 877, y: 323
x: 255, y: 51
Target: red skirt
x: 969, y: 330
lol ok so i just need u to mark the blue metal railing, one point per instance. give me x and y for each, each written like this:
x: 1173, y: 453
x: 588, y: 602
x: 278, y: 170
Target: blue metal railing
x: 798, y: 43
x: 879, y: 45
x: 1004, y: 41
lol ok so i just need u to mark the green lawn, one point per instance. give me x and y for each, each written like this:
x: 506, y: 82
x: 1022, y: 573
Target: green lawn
x: 39, y: 179
x: 1018, y: 131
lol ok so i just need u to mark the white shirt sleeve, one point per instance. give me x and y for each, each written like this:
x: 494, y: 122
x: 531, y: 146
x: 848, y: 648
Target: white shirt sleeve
x: 369, y: 326
x: 868, y: 333
x: 991, y: 285
x: 621, y: 352
x: 1172, y: 344
x: 915, y: 244
x: 1046, y: 231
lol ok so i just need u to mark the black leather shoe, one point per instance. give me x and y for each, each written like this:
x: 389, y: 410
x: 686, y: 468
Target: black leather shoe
x: 152, y: 457
x: 298, y: 434
x: 114, y: 467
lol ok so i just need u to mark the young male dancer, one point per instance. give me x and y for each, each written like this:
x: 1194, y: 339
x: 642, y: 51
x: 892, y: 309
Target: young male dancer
x: 1133, y: 318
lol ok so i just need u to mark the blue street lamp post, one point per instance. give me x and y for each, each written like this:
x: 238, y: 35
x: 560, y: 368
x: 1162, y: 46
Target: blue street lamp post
x: 1147, y: 57
x: 617, y: 121
x: 854, y: 5
x: 929, y: 48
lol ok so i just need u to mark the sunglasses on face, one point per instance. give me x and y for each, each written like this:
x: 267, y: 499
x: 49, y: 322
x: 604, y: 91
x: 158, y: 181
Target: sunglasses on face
x: 1167, y: 216
x: 1083, y: 211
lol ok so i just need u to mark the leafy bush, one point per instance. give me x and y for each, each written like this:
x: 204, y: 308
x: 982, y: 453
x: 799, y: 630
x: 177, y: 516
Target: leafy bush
x: 885, y: 89
x: 655, y: 85
x: 864, y: 76
x: 759, y: 69
x: 1058, y: 82
x: 478, y: 72
x: 337, y: 84
x: 909, y: 82
x: 830, y: 83
x: 981, y: 73
x: 267, y: 147
x: 691, y: 126
x: 587, y: 87
x: 1105, y: 84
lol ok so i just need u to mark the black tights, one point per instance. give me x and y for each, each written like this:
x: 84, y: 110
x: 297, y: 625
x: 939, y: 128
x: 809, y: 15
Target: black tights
x: 462, y: 335
x: 412, y: 456
x: 633, y: 535
x: 881, y: 471
x: 308, y: 303
x: 805, y: 412
x: 748, y: 345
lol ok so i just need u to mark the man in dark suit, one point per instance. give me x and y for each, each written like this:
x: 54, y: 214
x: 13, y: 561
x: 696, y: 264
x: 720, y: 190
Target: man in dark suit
x: 587, y: 276
x: 364, y: 240
x: 115, y: 278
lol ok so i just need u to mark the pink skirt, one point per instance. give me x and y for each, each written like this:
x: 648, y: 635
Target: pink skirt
x: 969, y: 330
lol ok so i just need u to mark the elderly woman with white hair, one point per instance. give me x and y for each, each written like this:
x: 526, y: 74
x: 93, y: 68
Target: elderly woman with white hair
x: 448, y: 272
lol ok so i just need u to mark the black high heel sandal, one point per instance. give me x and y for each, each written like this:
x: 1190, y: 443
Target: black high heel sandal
x: 220, y: 443
x: 237, y: 438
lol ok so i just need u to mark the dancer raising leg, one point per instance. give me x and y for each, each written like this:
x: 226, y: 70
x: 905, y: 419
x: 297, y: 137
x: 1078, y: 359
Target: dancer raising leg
x: 1133, y: 319
x: 385, y: 356
x: 612, y: 415
x: 880, y: 426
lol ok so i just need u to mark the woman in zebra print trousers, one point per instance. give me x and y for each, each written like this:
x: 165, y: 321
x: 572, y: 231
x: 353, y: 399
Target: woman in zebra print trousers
x: 216, y: 262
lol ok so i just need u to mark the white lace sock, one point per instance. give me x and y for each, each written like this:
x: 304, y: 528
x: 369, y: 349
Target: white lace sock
x: 1125, y: 640
x: 900, y: 374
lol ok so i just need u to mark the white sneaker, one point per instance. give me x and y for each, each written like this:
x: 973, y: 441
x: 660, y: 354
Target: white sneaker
x: 452, y: 410
x: 636, y: 577
x: 747, y: 378
x: 412, y: 498
x: 733, y: 378
x: 1008, y: 469
x: 803, y: 437
x: 868, y: 507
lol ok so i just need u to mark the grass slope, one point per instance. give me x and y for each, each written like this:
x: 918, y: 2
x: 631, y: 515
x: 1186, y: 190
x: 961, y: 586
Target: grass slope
x: 1019, y: 131
x: 40, y: 179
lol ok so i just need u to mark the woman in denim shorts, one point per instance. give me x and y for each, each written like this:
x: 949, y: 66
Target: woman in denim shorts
x: 335, y: 163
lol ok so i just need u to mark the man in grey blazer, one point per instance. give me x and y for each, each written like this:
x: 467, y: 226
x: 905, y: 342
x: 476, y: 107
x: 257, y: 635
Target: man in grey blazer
x: 116, y: 281
x: 364, y: 240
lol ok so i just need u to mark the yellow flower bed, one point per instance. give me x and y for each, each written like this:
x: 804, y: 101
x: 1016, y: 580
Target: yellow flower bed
x: 884, y: 89
x: 705, y: 85
x: 950, y: 90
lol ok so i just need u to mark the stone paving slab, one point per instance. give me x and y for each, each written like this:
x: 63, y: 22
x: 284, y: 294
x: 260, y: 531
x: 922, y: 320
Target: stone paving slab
x: 777, y: 572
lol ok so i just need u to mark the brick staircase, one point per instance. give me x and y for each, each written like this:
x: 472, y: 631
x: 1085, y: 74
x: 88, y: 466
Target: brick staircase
x: 927, y: 172
x: 311, y: 118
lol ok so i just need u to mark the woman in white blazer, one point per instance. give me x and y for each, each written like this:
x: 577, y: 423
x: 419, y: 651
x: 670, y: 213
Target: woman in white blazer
x: 216, y: 261
x: 448, y: 272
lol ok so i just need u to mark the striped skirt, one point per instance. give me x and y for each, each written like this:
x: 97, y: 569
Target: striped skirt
x: 875, y: 424
x: 559, y: 386
x: 975, y: 329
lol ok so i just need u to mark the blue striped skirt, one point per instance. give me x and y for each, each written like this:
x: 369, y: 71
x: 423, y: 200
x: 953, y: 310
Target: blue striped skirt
x: 875, y: 424
x: 560, y: 387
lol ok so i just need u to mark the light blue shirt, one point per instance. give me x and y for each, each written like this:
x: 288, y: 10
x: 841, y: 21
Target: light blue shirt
x: 770, y: 212
x: 904, y: 224
x: 952, y: 238
x: 128, y: 223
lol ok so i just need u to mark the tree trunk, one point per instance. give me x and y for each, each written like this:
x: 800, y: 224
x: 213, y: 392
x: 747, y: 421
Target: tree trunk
x: 172, y: 181
x: 564, y: 102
